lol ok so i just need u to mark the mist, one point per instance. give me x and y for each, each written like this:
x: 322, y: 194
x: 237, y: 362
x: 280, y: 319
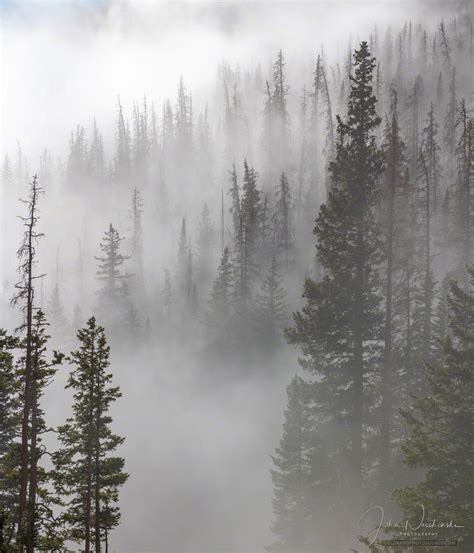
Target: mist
x: 202, y: 407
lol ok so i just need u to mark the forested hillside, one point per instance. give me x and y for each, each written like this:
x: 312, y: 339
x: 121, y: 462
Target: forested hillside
x: 324, y: 205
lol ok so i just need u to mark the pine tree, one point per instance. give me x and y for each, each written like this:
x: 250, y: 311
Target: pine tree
x: 87, y: 469
x: 428, y: 179
x: 341, y: 321
x: 283, y: 223
x: 463, y: 212
x: 96, y: 155
x: 56, y: 311
x: 235, y: 197
x: 271, y: 306
x: 123, y: 159
x: 220, y: 301
x: 395, y: 220
x: 246, y: 248
x: 450, y: 125
x: 42, y: 530
x: 25, y: 296
x: 251, y: 208
x: 183, y: 262
x: 292, y: 473
x: 136, y: 239
x: 10, y: 420
x: 205, y: 244
x: 167, y: 295
x: 113, y: 296
x: 280, y: 110
x: 429, y: 159
x: 439, y: 439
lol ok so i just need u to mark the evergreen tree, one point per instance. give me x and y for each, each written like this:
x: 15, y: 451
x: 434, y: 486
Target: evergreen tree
x: 25, y: 296
x: 136, y: 239
x: 183, y: 262
x: 166, y: 295
x: 292, y: 473
x: 220, y: 301
x: 88, y: 471
x: 113, y: 295
x: 341, y: 321
x: 397, y: 212
x: 42, y: 530
x: 10, y: 419
x: 123, y: 159
x: 235, y: 197
x: 283, y: 223
x: 96, y: 155
x: 463, y: 211
x: 56, y: 311
x: 439, y: 439
x: 271, y: 306
x: 205, y: 244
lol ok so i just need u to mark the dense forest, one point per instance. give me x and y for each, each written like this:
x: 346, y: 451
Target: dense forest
x: 324, y: 208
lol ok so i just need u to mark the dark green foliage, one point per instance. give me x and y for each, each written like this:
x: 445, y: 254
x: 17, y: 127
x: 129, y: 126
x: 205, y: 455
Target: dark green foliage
x: 10, y: 418
x: 440, y: 426
x: 88, y: 472
x: 339, y: 329
x: 292, y: 473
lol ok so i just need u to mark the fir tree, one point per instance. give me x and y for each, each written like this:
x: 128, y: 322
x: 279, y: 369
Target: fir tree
x: 136, y: 239
x: 292, y: 473
x: 341, y: 320
x: 395, y: 219
x: 113, y: 296
x: 56, y: 311
x: 220, y: 301
x: 88, y: 471
x: 10, y: 419
x: 123, y: 159
x: 235, y: 197
x: 271, y: 306
x: 439, y: 439
x: 283, y: 223
x: 205, y: 244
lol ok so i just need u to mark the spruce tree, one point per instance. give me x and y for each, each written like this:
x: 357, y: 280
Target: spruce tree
x: 283, y: 223
x: 136, y: 238
x: 113, y: 294
x: 56, y: 311
x: 235, y: 197
x: 439, y: 425
x: 42, y: 530
x: 220, y: 301
x: 291, y: 475
x: 205, y: 244
x: 272, y: 309
x: 396, y: 212
x: 341, y: 321
x: 10, y: 420
x: 166, y: 295
x: 88, y: 471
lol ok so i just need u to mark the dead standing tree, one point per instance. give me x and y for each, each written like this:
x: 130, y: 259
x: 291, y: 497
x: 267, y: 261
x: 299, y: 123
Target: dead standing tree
x: 25, y: 296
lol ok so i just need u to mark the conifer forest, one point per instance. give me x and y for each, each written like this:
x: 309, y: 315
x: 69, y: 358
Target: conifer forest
x: 237, y: 276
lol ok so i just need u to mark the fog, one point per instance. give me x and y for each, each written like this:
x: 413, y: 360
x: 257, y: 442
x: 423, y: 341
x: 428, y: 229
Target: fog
x: 200, y: 425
